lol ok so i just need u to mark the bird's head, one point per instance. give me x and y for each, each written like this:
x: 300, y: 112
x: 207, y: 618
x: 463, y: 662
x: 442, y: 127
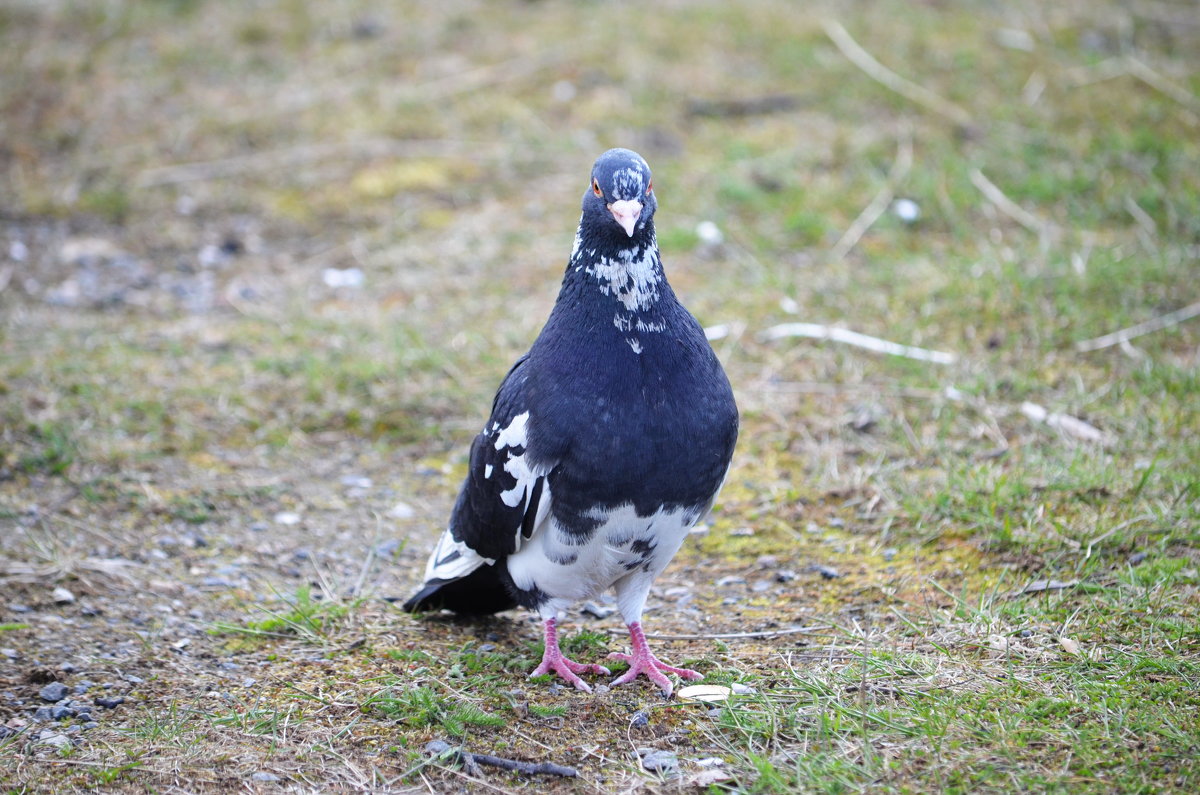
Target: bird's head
x: 620, y: 197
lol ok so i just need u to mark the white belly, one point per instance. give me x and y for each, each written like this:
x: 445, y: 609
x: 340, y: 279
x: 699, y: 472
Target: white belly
x: 624, y: 547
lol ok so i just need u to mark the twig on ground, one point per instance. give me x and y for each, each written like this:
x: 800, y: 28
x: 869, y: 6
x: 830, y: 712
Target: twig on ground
x: 1145, y: 327
x: 1122, y: 65
x: 822, y: 332
x: 1072, y: 426
x: 767, y: 633
x: 1008, y: 206
x: 881, y: 74
x: 880, y: 202
x: 471, y: 761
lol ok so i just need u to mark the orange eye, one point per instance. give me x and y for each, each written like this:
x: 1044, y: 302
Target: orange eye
x: 596, y: 188
x: 649, y: 187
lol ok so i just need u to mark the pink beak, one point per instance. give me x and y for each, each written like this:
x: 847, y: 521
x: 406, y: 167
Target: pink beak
x: 626, y: 212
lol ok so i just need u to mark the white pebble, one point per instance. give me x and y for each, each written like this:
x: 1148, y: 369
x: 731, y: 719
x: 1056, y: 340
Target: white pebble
x: 906, y: 210
x: 709, y: 233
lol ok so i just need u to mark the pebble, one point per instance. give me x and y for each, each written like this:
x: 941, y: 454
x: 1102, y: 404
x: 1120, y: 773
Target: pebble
x: 10, y: 653
x: 287, y: 518
x: 785, y: 575
x: 264, y: 776
x: 54, y: 739
x: 639, y: 720
x: 42, y: 715
x: 109, y: 703
x: 401, y: 510
x: 890, y: 554
x: 91, y: 724
x: 660, y: 761
x: 59, y: 712
x: 386, y: 549
x: 55, y: 691
x: 828, y: 572
x: 597, y: 611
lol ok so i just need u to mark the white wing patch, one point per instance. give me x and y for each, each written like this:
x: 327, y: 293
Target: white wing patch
x: 452, y: 560
x: 513, y: 436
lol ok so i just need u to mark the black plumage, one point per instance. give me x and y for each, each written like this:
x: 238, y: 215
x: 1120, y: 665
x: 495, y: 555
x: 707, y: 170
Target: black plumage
x: 606, y: 442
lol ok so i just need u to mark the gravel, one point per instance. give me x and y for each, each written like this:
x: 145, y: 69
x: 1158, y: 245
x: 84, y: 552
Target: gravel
x: 55, y: 691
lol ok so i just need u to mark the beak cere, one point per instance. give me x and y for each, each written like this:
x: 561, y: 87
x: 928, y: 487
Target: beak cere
x: 626, y: 213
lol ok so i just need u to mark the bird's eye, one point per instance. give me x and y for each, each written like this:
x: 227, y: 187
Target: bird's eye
x: 649, y: 187
x: 596, y: 188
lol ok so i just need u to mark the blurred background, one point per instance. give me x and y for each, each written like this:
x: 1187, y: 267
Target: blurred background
x: 262, y: 265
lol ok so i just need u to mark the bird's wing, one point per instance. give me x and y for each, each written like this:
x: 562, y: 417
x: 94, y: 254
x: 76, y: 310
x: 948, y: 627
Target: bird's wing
x: 504, y: 498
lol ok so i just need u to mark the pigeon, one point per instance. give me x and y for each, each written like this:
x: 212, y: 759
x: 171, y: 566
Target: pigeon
x: 607, y: 441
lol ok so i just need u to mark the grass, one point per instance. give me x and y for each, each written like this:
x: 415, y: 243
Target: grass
x: 1014, y: 607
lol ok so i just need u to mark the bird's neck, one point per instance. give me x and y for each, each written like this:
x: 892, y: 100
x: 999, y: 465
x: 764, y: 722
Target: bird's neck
x: 627, y: 272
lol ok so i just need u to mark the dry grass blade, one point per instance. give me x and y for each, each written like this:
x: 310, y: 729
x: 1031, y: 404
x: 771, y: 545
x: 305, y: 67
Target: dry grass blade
x: 1145, y: 327
x: 879, y: 204
x: 858, y: 340
x: 886, y: 77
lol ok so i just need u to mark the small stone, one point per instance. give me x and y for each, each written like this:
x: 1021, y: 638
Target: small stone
x: 766, y: 561
x: 58, y: 712
x: 133, y: 680
x: 661, y: 761
x: 639, y: 720
x: 10, y: 653
x: 55, y: 691
x: 731, y: 579
x: 287, y: 518
x: 109, y: 703
x: 62, y: 596
x: 890, y: 554
x: 6, y: 732
x: 761, y: 586
x: 827, y: 572
x: 91, y: 724
x: 1136, y: 558
x: 356, y: 482
x: 741, y: 689
x: 401, y: 510
x: 54, y: 739
x: 436, y: 747
x: 15, y: 607
x: 596, y: 611
x: 259, y: 527
x: 386, y: 549
x: 906, y: 210
x: 785, y: 575
x: 42, y: 715
x: 262, y: 775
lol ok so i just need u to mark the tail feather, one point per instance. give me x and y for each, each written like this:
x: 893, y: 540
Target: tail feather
x: 481, y: 592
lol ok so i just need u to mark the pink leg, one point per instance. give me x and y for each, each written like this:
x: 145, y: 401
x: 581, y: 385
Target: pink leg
x: 643, y: 662
x: 553, y: 660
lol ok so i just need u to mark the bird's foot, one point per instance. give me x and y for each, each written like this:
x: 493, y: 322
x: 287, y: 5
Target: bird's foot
x: 554, y: 661
x: 642, y: 661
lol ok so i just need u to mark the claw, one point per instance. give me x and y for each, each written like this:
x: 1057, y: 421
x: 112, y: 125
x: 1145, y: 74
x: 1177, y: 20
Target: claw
x: 553, y: 660
x: 642, y: 661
